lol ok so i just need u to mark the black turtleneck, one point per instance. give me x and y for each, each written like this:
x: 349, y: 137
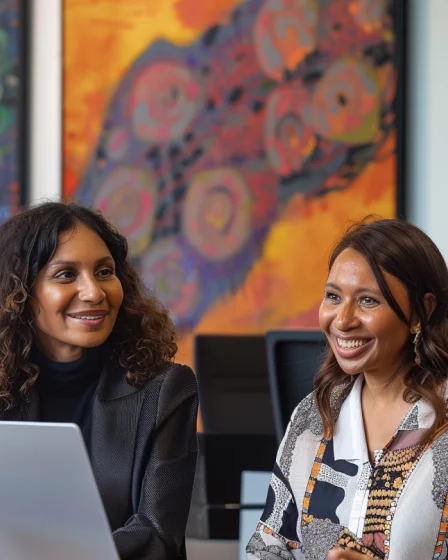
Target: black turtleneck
x: 66, y: 389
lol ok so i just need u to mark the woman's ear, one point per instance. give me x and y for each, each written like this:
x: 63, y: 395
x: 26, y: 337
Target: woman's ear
x: 429, y: 302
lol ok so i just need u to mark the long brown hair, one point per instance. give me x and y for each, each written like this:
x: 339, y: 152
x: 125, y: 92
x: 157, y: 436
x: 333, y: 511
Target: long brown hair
x: 406, y: 252
x: 143, y: 336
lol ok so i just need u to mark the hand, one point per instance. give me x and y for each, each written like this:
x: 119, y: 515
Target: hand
x: 340, y: 554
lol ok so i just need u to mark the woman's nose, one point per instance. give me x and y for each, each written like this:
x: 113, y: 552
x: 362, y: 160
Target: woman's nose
x: 90, y: 291
x: 347, y: 318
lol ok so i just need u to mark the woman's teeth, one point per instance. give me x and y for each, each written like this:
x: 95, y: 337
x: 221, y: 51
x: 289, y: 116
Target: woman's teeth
x: 350, y: 343
x: 89, y: 317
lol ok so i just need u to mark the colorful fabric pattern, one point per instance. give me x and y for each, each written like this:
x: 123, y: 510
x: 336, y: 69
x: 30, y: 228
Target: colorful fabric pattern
x: 326, y: 492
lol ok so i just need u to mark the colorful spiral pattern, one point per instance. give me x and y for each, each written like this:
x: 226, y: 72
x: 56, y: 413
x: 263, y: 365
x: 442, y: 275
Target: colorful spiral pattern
x: 208, y: 144
x: 167, y: 274
x: 346, y: 102
x: 285, y: 33
x: 127, y: 199
x: 165, y: 98
x: 289, y: 141
x: 217, y: 213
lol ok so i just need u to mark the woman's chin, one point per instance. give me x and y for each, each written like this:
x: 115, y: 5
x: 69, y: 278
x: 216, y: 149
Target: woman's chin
x: 348, y: 368
x: 351, y: 372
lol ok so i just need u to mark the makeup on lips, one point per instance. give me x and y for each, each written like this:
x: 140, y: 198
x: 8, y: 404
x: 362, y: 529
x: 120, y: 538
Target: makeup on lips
x: 93, y: 318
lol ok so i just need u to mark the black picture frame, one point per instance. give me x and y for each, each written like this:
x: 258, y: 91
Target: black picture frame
x: 400, y: 14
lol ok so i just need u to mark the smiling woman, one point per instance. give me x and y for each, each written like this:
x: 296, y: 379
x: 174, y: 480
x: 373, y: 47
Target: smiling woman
x: 76, y: 296
x: 82, y: 341
x: 369, y: 448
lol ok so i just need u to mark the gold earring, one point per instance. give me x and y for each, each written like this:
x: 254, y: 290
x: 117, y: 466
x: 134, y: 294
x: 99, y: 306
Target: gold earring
x: 417, y: 331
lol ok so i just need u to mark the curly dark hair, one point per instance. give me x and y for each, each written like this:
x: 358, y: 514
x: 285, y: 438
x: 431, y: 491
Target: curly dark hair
x: 406, y: 252
x: 143, y: 336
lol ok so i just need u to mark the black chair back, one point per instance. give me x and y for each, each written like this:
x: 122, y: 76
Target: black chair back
x: 238, y: 429
x: 293, y: 358
x: 232, y: 375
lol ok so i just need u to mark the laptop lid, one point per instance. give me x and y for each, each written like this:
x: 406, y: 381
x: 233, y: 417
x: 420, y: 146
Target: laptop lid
x: 50, y: 506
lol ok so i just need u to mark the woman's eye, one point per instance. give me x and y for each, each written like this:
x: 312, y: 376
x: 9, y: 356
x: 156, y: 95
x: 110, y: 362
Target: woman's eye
x: 105, y: 272
x: 369, y: 301
x: 331, y: 296
x: 65, y: 275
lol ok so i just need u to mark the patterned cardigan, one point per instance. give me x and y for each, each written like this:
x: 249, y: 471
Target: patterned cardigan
x: 325, y: 492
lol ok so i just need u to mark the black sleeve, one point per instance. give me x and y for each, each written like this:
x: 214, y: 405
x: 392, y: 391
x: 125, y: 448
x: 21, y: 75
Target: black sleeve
x: 156, y: 531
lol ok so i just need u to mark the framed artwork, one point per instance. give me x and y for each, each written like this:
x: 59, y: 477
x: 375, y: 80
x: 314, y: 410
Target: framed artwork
x: 13, y: 113
x: 233, y: 143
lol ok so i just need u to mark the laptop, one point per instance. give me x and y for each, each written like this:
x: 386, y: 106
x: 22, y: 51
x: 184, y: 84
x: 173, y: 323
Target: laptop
x: 50, y: 506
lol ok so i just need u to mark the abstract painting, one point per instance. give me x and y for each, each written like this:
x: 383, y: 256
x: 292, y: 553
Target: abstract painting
x: 233, y: 144
x: 12, y: 107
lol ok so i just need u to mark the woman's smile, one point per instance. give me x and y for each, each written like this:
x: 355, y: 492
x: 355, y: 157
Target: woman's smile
x: 92, y: 318
x: 352, y: 347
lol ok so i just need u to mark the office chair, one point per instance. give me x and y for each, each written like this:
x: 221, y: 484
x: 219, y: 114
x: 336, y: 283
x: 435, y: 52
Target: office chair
x: 293, y: 357
x: 238, y: 429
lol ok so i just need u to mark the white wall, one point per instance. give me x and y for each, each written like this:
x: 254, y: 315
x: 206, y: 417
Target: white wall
x: 427, y: 192
x: 46, y: 108
x: 428, y: 119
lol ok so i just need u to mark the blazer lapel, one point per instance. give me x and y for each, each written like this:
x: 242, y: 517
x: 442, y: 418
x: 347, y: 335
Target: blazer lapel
x: 115, y: 415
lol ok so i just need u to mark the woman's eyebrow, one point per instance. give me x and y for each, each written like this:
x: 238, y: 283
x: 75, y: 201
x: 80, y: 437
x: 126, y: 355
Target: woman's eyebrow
x: 75, y: 263
x: 359, y: 290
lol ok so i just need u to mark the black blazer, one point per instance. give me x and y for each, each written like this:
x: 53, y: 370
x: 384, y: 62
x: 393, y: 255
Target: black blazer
x: 143, y: 452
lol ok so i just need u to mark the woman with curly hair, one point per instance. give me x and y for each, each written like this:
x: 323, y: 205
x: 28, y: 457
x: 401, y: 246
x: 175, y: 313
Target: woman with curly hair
x: 362, y: 471
x: 82, y: 341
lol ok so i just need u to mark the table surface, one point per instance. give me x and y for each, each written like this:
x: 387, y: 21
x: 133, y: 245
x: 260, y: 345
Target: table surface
x: 207, y: 549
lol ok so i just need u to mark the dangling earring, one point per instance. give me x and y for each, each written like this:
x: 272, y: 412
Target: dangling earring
x: 417, y: 330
